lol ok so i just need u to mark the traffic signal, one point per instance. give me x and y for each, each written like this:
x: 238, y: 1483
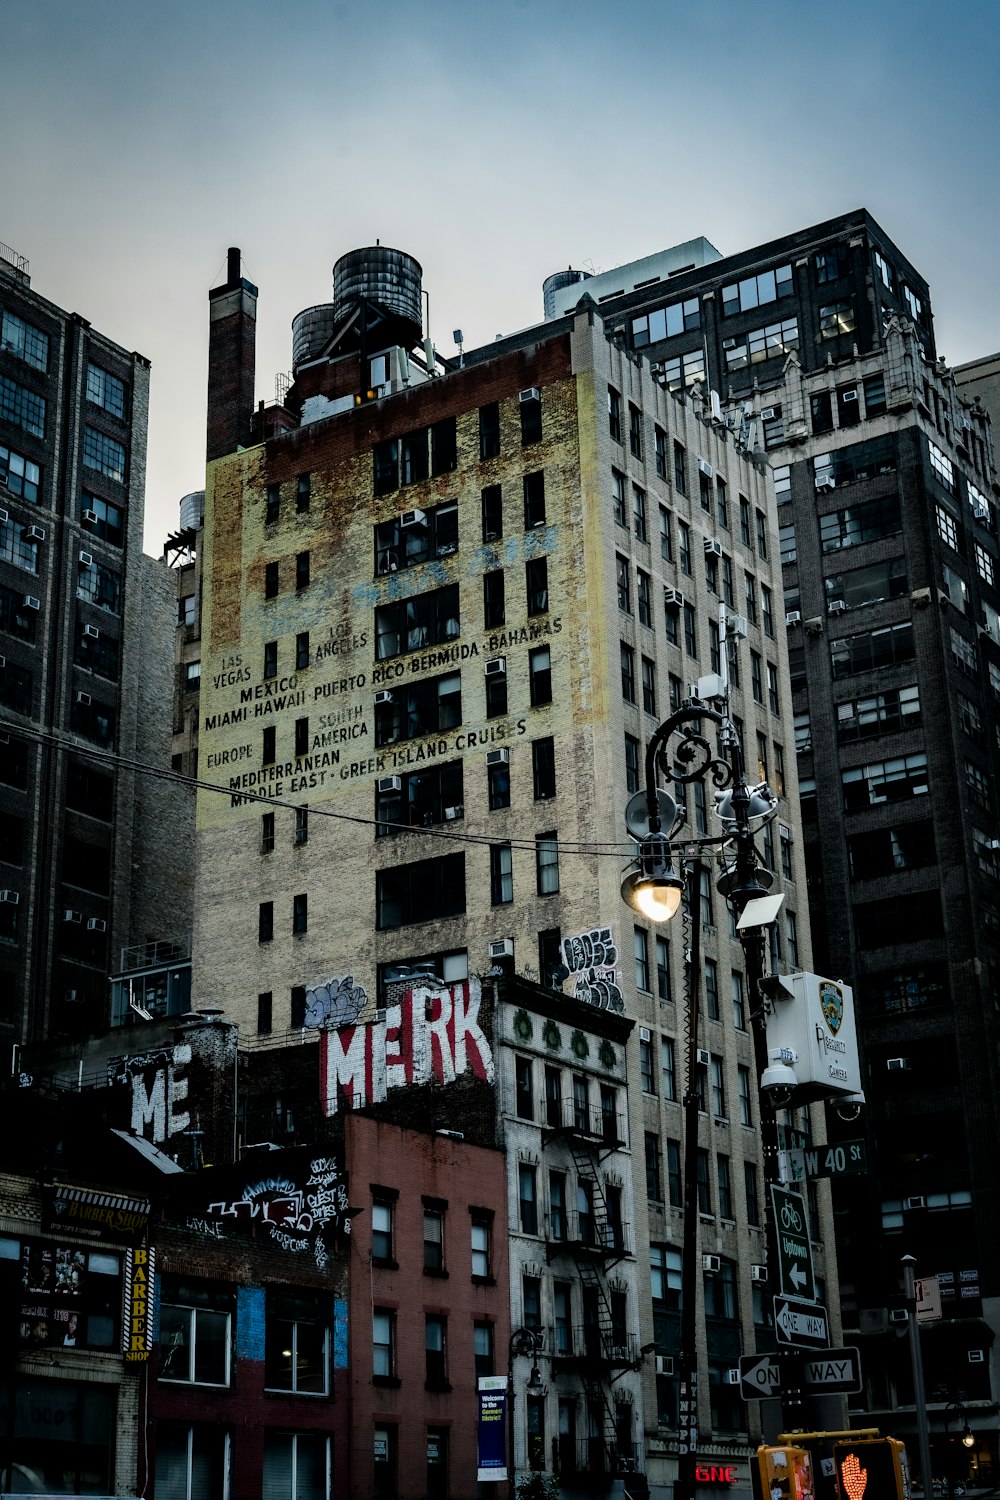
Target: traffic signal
x: 785, y: 1473
x: 872, y: 1469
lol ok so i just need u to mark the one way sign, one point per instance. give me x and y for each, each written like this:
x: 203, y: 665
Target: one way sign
x: 803, y: 1323
x: 760, y: 1376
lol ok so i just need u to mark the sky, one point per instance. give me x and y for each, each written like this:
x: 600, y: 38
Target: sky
x: 494, y: 140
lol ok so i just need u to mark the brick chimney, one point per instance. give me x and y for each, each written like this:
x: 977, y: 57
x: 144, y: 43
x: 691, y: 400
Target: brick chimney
x: 232, y: 335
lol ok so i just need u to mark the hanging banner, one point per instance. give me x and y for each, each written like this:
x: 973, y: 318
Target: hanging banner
x: 491, y: 1445
x: 137, y: 1331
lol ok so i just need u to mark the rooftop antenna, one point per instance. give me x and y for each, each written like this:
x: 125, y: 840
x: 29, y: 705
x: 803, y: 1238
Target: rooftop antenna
x: 457, y: 336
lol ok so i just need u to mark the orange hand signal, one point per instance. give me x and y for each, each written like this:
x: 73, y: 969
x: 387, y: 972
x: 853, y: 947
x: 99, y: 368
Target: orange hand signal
x: 853, y: 1477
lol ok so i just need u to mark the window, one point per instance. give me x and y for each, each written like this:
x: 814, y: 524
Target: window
x: 632, y: 777
x: 296, y: 1347
x: 22, y: 477
x: 649, y: 686
x: 835, y: 319
x: 24, y: 409
x: 743, y: 1086
x: 297, y: 1466
x: 265, y: 922
x: 628, y: 673
x: 675, y: 1191
x: 524, y: 1089
x: 773, y: 701
x: 660, y: 441
x: 635, y: 431
x: 530, y: 412
x: 984, y: 565
x: 875, y: 650
x: 433, y: 1237
x: 195, y: 1333
x: 536, y: 579
x: 272, y: 509
x: 670, y: 622
x: 300, y: 913
x: 267, y: 833
x: 884, y: 781
x: 302, y: 736
x: 104, y: 454
x: 704, y: 1188
x: 493, y: 598
x: 641, y: 950
x: 684, y: 547
x: 423, y: 798
x: 614, y: 414
x: 654, y: 1188
x: 482, y: 1348
x: 27, y: 342
x: 724, y: 1180
x: 618, y: 496
x: 859, y: 461
x: 739, y: 1001
x: 914, y: 304
x: 528, y: 1201
x: 705, y: 492
x: 271, y: 580
x: 489, y: 430
x: 100, y: 586
x: 639, y: 522
x: 947, y: 528
x: 665, y: 1276
x: 383, y: 1214
x: 756, y: 677
x: 666, y: 322
x: 757, y: 291
x: 880, y: 713
x: 644, y: 598
x: 302, y: 570
x: 492, y: 513
x: 479, y: 1232
x: 761, y: 534
x: 501, y: 874
x: 543, y: 768
x: 792, y: 933
x: 419, y: 709
x: 547, y: 863
x: 426, y: 619
x: 682, y: 369
x: 551, y: 969
x: 383, y: 1343
x: 192, y: 1461
x: 498, y: 782
x: 690, y: 635
x: 540, y: 676
x: 718, y: 1088
x: 680, y: 468
x: 750, y: 1189
x: 663, y: 968
x: 668, y: 1069
x: 104, y: 389
x: 420, y: 892
x: 624, y: 587
x: 774, y: 341
x: 534, y: 500
x: 666, y: 543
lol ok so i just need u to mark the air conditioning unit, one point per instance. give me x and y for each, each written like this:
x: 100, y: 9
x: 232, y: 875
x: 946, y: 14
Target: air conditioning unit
x: 501, y: 948
x: 849, y: 396
x: 731, y: 1377
x: 497, y: 757
x: 977, y: 1356
x: 836, y: 606
x: 704, y: 1057
x: 92, y: 632
x: 30, y: 602
x: 389, y: 784
x: 82, y: 698
x: 768, y: 413
x: 90, y: 516
x: 451, y: 813
x: 644, y: 1034
x: 72, y: 996
x: 898, y: 1315
x: 35, y: 533
x: 825, y: 482
x: 413, y: 518
x: 673, y: 598
x: 664, y: 1364
x: 921, y: 597
x: 911, y: 1204
x: 898, y: 1064
x: 69, y: 915
x: 712, y: 1264
x: 86, y: 559
x: 965, y: 423
x: 383, y: 697
x: 793, y: 617
x: 531, y: 394
x: 758, y: 1275
x: 497, y: 667
x: 712, y: 547
x: 704, y: 467
x: 737, y: 627
x: 11, y: 898
x: 96, y: 924
x: 729, y: 343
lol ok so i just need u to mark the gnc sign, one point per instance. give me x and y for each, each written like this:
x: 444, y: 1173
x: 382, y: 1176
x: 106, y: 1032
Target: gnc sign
x: 716, y: 1473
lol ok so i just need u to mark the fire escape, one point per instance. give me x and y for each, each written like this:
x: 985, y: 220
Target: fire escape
x: 588, y: 1232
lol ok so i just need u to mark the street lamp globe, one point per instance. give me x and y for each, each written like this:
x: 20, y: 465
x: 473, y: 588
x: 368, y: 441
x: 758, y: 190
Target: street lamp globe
x: 968, y: 1437
x: 655, y: 889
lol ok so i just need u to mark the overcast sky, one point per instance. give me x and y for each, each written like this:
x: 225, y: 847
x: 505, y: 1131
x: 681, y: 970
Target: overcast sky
x: 495, y: 140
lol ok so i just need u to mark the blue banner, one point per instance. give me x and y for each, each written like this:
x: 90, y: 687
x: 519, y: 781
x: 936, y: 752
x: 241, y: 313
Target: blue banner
x: 492, y: 1428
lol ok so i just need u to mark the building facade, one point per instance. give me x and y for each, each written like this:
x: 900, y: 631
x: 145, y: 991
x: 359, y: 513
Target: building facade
x: 85, y: 637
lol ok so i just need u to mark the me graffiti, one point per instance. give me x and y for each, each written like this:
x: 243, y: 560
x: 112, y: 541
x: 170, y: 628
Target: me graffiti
x: 159, y: 1090
x: 591, y: 960
x: 430, y: 1036
x: 301, y: 1218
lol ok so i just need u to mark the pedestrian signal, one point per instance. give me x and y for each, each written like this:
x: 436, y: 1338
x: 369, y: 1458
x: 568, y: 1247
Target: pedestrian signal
x: 872, y: 1469
x: 785, y: 1473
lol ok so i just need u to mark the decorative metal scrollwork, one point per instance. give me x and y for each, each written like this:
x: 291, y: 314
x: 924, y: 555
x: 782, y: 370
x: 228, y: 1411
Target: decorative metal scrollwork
x: 691, y: 750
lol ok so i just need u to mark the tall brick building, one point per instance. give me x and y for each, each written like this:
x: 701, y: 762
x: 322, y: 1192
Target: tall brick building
x: 822, y: 345
x: 443, y: 608
x: 87, y: 861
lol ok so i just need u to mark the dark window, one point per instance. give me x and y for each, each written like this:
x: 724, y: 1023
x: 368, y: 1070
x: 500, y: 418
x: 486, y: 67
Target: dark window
x: 628, y: 672
x: 872, y: 651
x: 444, y: 450
x: 644, y: 598
x: 661, y: 451
x: 420, y: 892
x: 623, y: 584
x: 302, y: 570
x: 301, y: 736
x: 301, y: 650
x: 496, y: 691
x: 614, y: 414
x: 482, y: 1348
x: 296, y: 1345
x: 271, y: 580
x: 822, y: 411
x: 534, y: 500
x: 528, y: 1200
x: 297, y: 1007
x: 529, y: 407
x: 680, y: 468
x: 433, y: 1237
x: 524, y: 1090
x: 87, y: 790
x: 492, y: 504
x: 268, y: 745
x: 536, y: 578
x: 543, y: 768
x: 489, y: 430
x: 272, y: 509
x: 880, y: 924
x: 265, y: 922
x: 498, y: 777
x: 909, y: 846
x: 654, y: 1187
x: 632, y: 780
x: 666, y: 542
x: 414, y: 457
x: 422, y: 798
x: 426, y: 619
x: 550, y: 962
x: 386, y: 467
x: 270, y: 658
x: 264, y: 1010
x: 540, y: 676
x: 874, y: 390
x: 415, y: 537
x: 649, y: 686
x: 419, y: 709
x: 501, y: 874
x: 493, y: 598
x: 303, y: 490
x: 547, y: 863
x: 267, y: 833
x: 635, y: 431
x: 856, y: 462
x: 684, y: 547
x: 300, y: 913
x: 194, y: 1333
x: 860, y: 523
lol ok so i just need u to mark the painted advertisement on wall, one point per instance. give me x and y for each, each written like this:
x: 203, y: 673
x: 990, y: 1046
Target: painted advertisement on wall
x: 432, y: 1035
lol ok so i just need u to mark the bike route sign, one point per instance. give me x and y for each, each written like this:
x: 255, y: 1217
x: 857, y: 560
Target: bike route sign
x: 795, y: 1267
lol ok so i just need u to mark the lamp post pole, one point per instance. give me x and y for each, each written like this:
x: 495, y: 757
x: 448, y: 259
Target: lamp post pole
x: 655, y: 891
x: 919, y: 1400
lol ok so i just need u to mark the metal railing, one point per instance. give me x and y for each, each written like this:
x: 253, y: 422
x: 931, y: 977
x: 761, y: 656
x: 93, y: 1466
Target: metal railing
x: 14, y: 258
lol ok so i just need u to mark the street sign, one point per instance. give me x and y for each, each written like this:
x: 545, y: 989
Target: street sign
x: 831, y: 1370
x: 795, y: 1269
x: 804, y: 1324
x: 845, y: 1159
x: 760, y: 1376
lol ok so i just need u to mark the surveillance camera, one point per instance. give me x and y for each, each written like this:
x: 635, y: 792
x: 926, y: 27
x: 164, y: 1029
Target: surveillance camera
x: 778, y: 1094
x: 847, y: 1110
